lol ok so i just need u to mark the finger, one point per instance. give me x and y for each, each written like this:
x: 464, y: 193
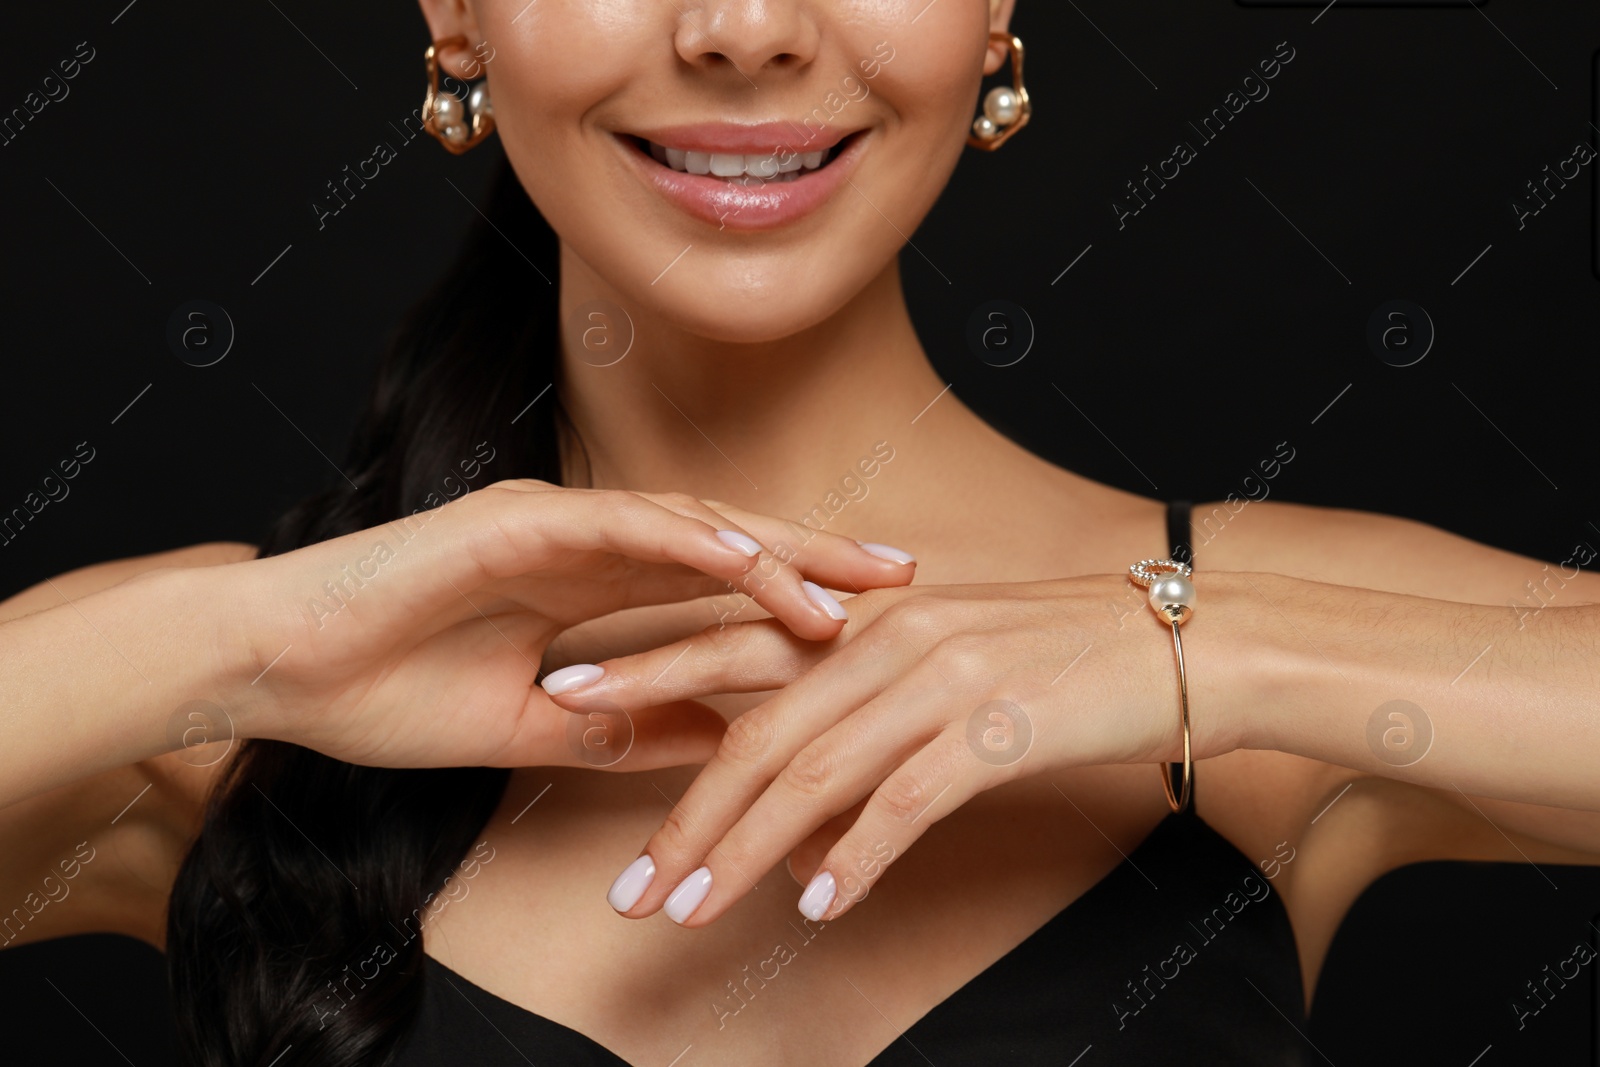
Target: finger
x: 672, y: 735
x: 934, y: 782
x: 603, y: 737
x: 498, y: 534
x: 739, y: 657
x: 827, y: 560
x: 760, y: 744
x: 805, y: 860
x: 831, y: 559
x: 748, y: 657
x: 757, y: 745
x: 797, y: 566
x: 540, y: 526
x: 826, y: 778
x: 745, y: 657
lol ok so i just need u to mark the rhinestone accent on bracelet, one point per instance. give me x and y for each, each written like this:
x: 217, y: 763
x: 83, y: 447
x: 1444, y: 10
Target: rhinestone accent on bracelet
x: 1148, y: 570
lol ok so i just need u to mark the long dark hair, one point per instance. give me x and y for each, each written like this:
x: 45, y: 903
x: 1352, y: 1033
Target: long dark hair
x: 295, y: 918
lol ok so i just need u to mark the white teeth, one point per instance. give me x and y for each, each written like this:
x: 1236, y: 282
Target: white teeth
x: 725, y: 166
x: 770, y: 167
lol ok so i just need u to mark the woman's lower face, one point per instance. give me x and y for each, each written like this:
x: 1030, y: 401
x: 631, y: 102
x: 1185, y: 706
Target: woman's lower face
x: 737, y: 169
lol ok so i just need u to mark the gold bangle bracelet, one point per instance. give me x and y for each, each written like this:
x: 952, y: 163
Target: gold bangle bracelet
x: 1172, y: 598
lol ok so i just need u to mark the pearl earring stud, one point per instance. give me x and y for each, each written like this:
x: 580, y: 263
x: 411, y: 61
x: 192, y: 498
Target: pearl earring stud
x: 1006, y: 108
x: 457, y: 124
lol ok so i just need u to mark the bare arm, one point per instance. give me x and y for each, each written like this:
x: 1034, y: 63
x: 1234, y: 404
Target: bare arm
x: 98, y: 852
x: 412, y: 644
x: 1300, y: 675
x: 94, y: 679
x: 1438, y: 693
x: 1467, y: 591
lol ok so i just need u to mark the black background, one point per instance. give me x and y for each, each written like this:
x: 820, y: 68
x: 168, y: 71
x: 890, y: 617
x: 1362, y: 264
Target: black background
x: 1383, y: 166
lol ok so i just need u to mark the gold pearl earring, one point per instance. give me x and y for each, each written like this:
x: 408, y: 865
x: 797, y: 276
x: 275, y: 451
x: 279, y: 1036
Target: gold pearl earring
x: 458, y: 126
x: 1006, y: 109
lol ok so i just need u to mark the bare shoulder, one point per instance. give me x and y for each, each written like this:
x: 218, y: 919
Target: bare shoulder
x: 1343, y: 546
x: 97, y: 576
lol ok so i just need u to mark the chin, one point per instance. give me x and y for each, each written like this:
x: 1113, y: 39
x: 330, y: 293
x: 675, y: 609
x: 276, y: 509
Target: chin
x: 736, y: 288
x: 736, y: 304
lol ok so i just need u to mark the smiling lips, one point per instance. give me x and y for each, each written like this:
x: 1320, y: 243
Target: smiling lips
x: 745, y: 177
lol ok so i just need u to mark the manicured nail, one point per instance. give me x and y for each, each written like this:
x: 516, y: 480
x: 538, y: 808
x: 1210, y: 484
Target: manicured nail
x: 631, y: 883
x: 736, y: 540
x: 569, y: 678
x: 689, y: 895
x: 888, y: 552
x: 818, y: 895
x: 822, y: 599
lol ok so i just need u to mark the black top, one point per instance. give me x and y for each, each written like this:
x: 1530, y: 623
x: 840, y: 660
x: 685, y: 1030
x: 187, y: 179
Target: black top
x: 1182, y: 954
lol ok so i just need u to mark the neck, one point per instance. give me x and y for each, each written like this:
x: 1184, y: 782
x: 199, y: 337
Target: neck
x: 765, y: 426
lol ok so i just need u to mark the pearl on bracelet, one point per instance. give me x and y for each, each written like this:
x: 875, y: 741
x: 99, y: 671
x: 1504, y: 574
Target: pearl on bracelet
x: 1173, y: 596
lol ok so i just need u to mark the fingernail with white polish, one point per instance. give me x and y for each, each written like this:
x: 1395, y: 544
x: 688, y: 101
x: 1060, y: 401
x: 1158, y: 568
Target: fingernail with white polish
x: 689, y: 895
x: 631, y: 883
x: 818, y: 896
x: 824, y: 600
x: 734, y: 539
x: 888, y: 552
x: 573, y: 677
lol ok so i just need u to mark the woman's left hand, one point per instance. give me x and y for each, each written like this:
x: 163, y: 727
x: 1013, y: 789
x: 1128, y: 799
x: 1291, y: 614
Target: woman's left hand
x: 928, y: 697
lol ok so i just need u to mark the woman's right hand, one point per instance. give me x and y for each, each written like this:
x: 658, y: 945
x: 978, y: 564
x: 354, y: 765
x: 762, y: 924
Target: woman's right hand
x: 418, y: 643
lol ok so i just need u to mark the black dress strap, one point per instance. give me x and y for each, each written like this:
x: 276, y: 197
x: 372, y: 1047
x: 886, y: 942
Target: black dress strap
x: 1178, y: 534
